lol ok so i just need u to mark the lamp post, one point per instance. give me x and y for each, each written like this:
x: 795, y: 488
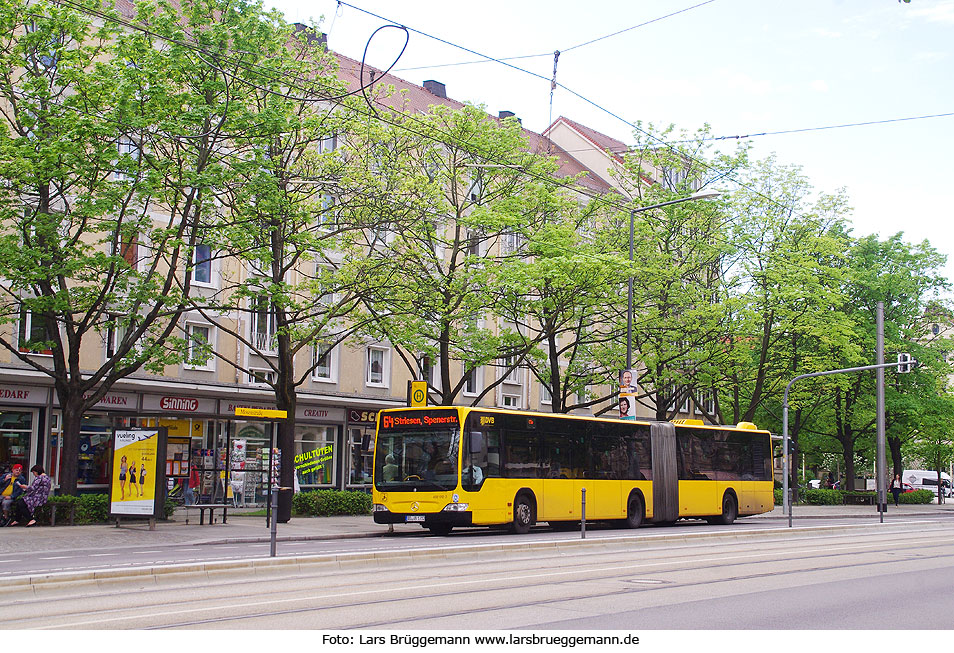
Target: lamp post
x: 701, y: 195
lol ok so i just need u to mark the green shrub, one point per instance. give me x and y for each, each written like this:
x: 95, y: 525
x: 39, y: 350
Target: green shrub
x: 918, y: 496
x: 88, y: 509
x: 778, y: 496
x: 323, y: 503
x: 92, y: 509
x: 822, y: 497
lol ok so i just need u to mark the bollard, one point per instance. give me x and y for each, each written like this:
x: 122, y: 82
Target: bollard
x: 583, y: 516
x: 274, y: 524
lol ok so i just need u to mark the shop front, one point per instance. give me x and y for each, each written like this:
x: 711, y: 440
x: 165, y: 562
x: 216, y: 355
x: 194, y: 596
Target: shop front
x: 21, y: 412
x: 212, y: 455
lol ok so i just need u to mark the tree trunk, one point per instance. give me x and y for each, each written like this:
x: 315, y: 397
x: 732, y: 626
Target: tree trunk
x: 71, y: 420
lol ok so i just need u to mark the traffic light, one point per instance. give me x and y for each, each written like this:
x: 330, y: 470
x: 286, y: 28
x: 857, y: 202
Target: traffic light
x: 904, y: 363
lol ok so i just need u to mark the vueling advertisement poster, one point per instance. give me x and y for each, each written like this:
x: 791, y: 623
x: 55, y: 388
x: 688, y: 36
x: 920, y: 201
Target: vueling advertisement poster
x: 137, y: 454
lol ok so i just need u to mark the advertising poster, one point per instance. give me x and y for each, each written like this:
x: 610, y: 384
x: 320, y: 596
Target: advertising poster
x: 137, y: 471
x: 627, y: 394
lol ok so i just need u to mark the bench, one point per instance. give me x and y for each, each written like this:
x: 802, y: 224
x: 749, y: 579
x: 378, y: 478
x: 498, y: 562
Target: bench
x: 69, y: 507
x: 858, y: 498
x: 211, y: 507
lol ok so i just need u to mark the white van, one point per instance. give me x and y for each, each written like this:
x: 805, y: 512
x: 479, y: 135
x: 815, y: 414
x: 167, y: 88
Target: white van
x: 922, y: 479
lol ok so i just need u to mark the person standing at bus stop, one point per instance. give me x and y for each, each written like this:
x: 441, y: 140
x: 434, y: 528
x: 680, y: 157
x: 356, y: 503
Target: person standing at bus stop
x: 896, y: 488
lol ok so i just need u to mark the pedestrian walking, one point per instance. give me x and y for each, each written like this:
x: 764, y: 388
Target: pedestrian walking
x: 896, y: 488
x: 32, y: 498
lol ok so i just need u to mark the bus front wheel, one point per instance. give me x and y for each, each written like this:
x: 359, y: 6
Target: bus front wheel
x: 730, y: 510
x: 522, y: 515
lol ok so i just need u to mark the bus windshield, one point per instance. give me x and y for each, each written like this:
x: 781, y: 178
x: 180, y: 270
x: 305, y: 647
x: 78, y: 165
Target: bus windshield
x: 409, y: 457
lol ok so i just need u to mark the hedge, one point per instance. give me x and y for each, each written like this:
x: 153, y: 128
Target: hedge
x: 89, y: 509
x: 323, y: 503
x: 835, y: 497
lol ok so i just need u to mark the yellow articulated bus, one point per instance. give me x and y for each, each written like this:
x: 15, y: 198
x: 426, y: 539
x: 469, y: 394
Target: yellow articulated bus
x: 443, y: 467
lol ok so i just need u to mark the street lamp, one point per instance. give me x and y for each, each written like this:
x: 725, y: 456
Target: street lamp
x: 701, y: 195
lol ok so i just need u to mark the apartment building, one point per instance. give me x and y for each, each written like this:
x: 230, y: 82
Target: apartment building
x: 336, y: 405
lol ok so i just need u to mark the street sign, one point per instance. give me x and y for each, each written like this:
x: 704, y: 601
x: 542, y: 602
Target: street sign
x: 241, y: 411
x: 417, y: 393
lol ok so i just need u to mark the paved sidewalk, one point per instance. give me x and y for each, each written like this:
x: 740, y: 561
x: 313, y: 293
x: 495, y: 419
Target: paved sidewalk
x: 246, y: 528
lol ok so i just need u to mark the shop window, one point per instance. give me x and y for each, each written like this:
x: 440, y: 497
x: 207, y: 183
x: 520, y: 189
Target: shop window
x: 94, y: 449
x: 315, y: 459
x: 360, y: 455
x: 16, y: 434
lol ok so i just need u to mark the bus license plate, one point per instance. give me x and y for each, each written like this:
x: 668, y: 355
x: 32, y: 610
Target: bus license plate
x: 414, y: 518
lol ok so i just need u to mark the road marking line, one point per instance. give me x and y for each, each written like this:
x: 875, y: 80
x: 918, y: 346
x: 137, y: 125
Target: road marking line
x: 100, y: 555
x: 450, y: 583
x: 57, y: 558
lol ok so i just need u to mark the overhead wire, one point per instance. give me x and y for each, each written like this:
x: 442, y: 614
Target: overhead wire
x: 363, y: 87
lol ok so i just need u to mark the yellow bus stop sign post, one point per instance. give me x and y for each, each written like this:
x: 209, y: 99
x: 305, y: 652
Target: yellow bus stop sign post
x: 416, y: 393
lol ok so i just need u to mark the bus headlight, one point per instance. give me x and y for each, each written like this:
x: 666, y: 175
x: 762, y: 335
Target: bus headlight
x: 456, y: 507
x: 379, y: 507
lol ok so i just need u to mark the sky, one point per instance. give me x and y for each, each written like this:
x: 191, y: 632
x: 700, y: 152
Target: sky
x: 741, y: 66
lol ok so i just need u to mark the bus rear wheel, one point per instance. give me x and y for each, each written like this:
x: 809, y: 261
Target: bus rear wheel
x: 634, y: 512
x: 730, y: 510
x: 522, y: 515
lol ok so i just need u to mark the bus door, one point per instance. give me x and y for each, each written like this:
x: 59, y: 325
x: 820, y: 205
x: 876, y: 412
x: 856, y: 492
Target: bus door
x: 563, y: 465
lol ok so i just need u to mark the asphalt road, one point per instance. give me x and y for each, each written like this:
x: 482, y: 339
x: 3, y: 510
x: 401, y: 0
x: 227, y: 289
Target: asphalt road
x: 79, y: 558
x: 812, y: 578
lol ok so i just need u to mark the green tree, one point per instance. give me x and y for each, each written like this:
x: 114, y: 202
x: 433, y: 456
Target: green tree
x: 449, y: 186
x: 94, y: 237
x: 679, y: 305
x: 279, y: 224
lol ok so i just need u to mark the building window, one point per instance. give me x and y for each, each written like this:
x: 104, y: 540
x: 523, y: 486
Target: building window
x: 510, y: 401
x: 261, y: 376
x: 935, y: 329
x: 129, y: 154
x: 430, y: 370
x: 199, y: 347
x: 202, y: 265
x: 513, y: 376
x: 471, y: 385
x: 325, y: 368
x: 328, y: 144
x: 34, y: 338
x: 509, y: 243
x: 327, y: 217
x: 378, y: 366
x: 264, y: 326
x: 546, y: 396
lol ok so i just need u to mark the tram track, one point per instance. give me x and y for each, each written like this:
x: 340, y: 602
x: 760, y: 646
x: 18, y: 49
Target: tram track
x: 602, y: 566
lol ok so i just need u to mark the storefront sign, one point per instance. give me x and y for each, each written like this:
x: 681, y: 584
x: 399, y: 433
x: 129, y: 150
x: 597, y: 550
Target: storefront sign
x: 180, y: 404
x: 23, y: 395
x: 227, y: 408
x: 362, y: 416
x: 319, y: 414
x: 313, y: 460
x: 137, y: 474
x: 112, y: 401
